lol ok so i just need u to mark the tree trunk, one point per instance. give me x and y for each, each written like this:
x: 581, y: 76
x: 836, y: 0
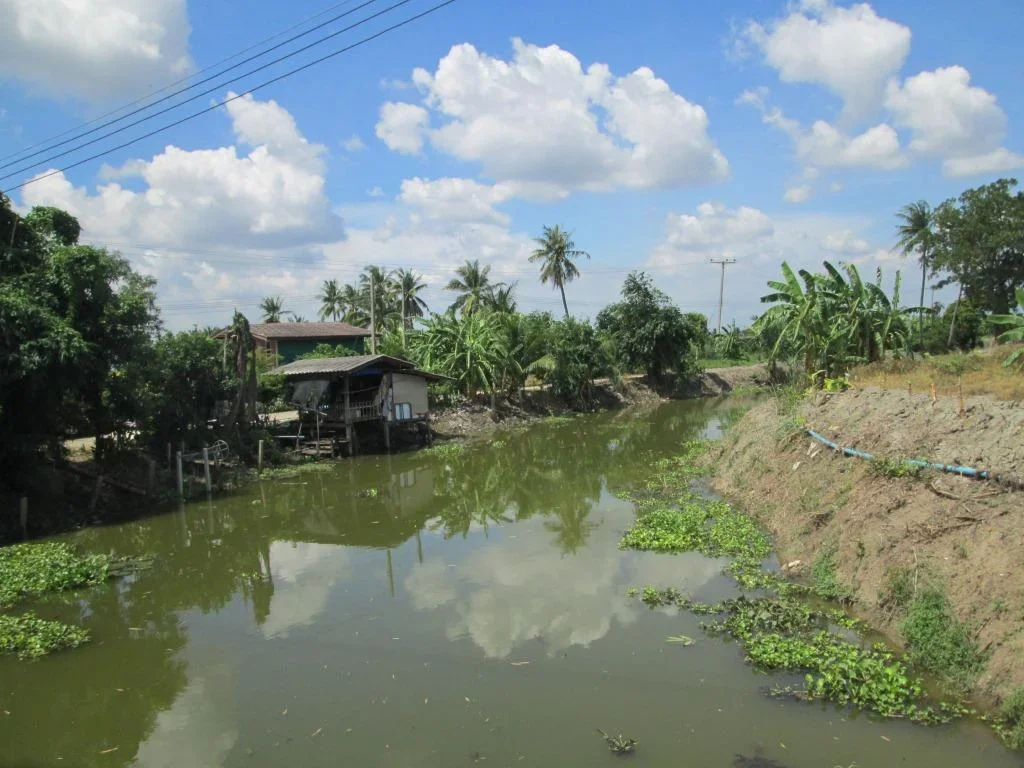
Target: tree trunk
x: 920, y: 311
x: 956, y: 308
x: 565, y: 306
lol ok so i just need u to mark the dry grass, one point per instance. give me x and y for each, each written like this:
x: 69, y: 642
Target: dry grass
x: 979, y: 373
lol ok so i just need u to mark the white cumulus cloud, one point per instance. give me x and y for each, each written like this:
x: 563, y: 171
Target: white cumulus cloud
x: 95, y: 50
x: 541, y: 119
x: 852, y: 51
x: 401, y: 126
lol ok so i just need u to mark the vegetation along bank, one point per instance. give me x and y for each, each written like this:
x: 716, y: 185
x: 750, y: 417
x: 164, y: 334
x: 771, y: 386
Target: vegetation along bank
x: 930, y: 558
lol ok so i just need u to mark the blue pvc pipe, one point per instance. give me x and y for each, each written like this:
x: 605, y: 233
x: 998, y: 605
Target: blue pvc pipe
x: 953, y: 469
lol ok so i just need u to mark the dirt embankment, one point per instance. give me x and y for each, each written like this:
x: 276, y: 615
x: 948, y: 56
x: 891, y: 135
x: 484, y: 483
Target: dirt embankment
x: 478, y: 419
x: 968, y: 534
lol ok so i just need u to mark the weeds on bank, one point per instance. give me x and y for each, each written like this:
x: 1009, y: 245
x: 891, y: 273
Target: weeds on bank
x: 896, y: 468
x: 1010, y: 724
x: 936, y: 639
x: 287, y: 471
x: 30, y: 637
x: 825, y: 582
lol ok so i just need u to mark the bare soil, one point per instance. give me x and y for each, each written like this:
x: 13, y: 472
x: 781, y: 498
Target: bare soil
x: 967, y: 533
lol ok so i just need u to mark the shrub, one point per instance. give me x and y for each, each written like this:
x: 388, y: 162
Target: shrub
x: 937, y: 640
x: 823, y: 574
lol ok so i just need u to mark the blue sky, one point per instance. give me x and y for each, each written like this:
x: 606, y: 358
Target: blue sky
x: 661, y: 134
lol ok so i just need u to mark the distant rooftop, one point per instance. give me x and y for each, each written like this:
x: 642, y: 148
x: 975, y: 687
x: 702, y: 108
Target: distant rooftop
x: 308, y: 331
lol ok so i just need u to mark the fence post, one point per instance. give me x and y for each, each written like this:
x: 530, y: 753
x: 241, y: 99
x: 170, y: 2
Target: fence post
x: 181, y: 481
x: 151, y: 477
x: 259, y: 457
x: 206, y: 468
x: 23, y: 513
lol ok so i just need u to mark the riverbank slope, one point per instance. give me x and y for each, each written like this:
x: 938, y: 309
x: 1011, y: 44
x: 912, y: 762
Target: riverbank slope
x: 871, y: 524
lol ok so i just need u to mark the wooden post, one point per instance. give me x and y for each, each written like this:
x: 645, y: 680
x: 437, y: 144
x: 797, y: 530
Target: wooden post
x: 259, y: 457
x: 151, y: 477
x: 935, y: 395
x: 23, y: 515
x: 168, y: 455
x: 350, y: 435
x: 206, y: 469
x: 96, y: 493
x: 181, y: 479
x: 960, y: 391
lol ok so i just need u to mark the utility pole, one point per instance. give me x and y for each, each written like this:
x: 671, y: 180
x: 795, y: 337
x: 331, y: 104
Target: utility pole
x: 721, y: 287
x: 373, y: 317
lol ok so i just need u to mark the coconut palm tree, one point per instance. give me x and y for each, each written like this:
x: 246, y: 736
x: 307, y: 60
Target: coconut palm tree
x: 556, y: 253
x: 916, y: 234
x: 473, y: 283
x: 271, y: 309
x: 502, y: 298
x: 354, y: 309
x: 331, y: 301
x: 409, y: 284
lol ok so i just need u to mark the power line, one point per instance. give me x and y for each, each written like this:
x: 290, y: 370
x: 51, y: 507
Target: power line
x: 207, y: 92
x: 264, y: 84
x: 179, y: 81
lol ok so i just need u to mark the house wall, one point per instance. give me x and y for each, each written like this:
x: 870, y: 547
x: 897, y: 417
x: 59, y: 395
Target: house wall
x: 412, y: 390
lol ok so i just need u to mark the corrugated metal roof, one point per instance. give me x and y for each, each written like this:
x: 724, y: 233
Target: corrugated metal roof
x: 329, y: 366
x: 307, y: 331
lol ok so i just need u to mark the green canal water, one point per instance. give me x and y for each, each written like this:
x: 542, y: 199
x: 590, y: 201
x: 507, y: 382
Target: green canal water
x: 434, y: 611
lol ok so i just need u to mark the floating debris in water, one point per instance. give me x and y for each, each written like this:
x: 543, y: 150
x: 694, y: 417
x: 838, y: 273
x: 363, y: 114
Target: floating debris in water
x: 680, y: 639
x: 757, y: 761
x: 620, y: 745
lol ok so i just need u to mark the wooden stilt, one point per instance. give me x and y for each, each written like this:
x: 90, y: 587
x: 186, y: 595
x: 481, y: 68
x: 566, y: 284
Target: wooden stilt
x: 23, y: 514
x: 206, y: 469
x: 180, y: 476
x: 151, y: 477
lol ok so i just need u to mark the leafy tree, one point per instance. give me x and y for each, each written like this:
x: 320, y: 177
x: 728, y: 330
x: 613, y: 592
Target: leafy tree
x: 272, y: 309
x: 324, y: 351
x: 332, y: 303
x: 579, y: 357
x: 980, y: 244
x: 243, y: 353
x: 557, y: 253
x: 915, y: 234
x: 473, y: 284
x: 648, y: 330
x: 187, y: 381
x: 53, y: 226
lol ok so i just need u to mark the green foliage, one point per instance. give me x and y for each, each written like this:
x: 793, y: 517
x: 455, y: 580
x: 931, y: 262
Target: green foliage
x: 832, y: 320
x: 31, y: 570
x: 649, y: 332
x: 823, y: 574
x: 1013, y: 331
x: 896, y: 467
x: 444, y: 449
x: 620, y: 745
x: 470, y: 349
x: 980, y: 244
x: 1011, y: 719
x: 937, y: 640
x: 30, y: 637
x: 187, y: 379
x: 324, y: 351
x: 579, y: 358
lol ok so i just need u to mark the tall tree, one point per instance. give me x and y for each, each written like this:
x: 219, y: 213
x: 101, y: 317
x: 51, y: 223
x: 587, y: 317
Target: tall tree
x: 409, y: 285
x: 916, y: 234
x: 556, y: 251
x: 980, y: 244
x: 379, y: 298
x: 502, y: 298
x: 332, y: 303
x: 272, y: 309
x: 473, y: 284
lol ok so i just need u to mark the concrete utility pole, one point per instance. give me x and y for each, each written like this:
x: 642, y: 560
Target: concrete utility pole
x: 721, y: 287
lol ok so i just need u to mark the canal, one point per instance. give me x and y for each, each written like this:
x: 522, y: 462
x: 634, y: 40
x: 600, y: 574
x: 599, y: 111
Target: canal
x: 429, y: 609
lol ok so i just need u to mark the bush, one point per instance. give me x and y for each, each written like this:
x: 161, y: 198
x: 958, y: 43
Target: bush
x: 937, y: 640
x: 823, y: 574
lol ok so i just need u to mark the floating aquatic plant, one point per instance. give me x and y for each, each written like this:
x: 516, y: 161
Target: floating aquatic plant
x: 620, y: 745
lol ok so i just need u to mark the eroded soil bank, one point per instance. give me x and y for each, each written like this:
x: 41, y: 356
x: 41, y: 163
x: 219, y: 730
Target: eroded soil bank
x: 966, y: 535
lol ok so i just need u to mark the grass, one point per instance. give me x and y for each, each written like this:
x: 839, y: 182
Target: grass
x: 31, y: 570
x: 444, y: 449
x: 1011, y: 720
x: 980, y: 373
x: 896, y: 468
x: 936, y: 639
x: 939, y: 642
x: 30, y: 637
x: 824, y: 580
